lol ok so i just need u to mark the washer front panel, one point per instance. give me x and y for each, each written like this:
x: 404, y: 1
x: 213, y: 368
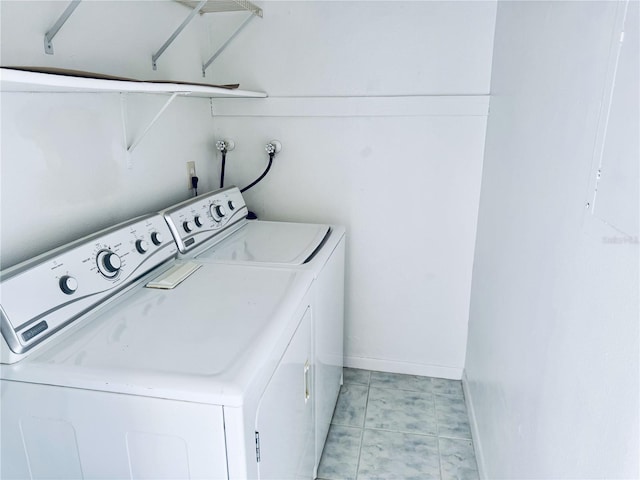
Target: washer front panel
x: 41, y: 296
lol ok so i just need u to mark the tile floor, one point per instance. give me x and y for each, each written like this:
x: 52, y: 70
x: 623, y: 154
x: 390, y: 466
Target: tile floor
x: 398, y: 427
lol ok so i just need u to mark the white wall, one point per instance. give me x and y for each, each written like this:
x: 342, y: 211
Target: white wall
x: 64, y: 169
x: 399, y: 168
x: 552, y: 368
x: 356, y: 48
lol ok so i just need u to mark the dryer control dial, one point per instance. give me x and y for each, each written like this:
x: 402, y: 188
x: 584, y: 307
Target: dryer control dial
x: 109, y: 263
x: 68, y: 284
x: 156, y: 238
x: 142, y: 246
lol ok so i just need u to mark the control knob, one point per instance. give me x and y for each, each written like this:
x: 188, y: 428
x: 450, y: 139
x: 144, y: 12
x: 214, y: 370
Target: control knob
x: 142, y: 246
x: 156, y: 238
x: 68, y: 284
x: 232, y: 205
x: 187, y: 226
x: 198, y: 221
x: 218, y: 212
x: 109, y: 263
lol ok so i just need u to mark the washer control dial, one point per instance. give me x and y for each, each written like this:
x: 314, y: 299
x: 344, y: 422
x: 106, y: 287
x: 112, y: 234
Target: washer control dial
x: 142, y: 246
x: 68, y: 284
x: 109, y: 263
x: 156, y: 238
x: 187, y: 226
x: 218, y: 212
x: 198, y: 221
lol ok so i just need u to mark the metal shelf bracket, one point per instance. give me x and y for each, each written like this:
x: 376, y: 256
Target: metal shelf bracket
x: 53, y: 31
x: 137, y: 141
x: 193, y: 13
x: 225, y: 44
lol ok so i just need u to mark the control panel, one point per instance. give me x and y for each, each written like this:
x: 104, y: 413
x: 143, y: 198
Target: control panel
x: 199, y: 219
x: 41, y: 296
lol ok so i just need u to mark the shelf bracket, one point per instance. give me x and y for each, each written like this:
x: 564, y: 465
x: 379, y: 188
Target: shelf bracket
x: 123, y: 115
x: 132, y: 147
x: 156, y: 56
x: 53, y: 31
x: 225, y: 44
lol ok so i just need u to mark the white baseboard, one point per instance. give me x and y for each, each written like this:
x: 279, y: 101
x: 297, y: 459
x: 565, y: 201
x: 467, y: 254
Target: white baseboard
x: 475, y: 433
x: 382, y: 365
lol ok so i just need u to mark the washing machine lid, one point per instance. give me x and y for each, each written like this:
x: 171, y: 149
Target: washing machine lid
x: 276, y: 243
x: 203, y: 341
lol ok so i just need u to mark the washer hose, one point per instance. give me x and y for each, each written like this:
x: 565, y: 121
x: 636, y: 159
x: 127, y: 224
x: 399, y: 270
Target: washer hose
x: 255, y: 182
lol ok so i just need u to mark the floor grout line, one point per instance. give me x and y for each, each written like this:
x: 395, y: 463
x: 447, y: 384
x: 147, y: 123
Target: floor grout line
x: 364, y: 422
x: 435, y: 411
x: 418, y: 434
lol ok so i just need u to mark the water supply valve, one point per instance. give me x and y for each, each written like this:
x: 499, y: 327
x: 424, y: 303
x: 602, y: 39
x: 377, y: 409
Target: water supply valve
x: 225, y: 145
x: 273, y: 147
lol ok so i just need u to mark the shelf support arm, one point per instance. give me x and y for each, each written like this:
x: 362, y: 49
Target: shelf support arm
x: 156, y: 56
x: 155, y: 119
x: 53, y: 31
x: 225, y: 44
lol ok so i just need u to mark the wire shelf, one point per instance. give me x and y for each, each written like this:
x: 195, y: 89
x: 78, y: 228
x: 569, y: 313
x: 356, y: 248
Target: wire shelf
x: 215, y: 6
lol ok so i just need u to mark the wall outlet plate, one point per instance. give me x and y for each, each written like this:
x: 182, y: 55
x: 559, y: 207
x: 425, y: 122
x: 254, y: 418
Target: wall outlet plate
x: 191, y: 172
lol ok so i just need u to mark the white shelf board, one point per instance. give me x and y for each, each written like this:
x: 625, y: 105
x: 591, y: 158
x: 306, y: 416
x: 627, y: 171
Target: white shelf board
x: 26, y: 81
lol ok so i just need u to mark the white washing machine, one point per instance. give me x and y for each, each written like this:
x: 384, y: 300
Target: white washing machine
x: 212, y: 229
x: 102, y: 377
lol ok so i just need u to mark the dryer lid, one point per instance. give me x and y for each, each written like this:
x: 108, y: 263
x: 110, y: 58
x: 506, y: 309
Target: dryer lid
x: 202, y: 341
x: 276, y: 243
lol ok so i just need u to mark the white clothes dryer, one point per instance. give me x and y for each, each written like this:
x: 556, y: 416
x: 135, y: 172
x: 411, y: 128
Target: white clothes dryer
x: 104, y: 378
x: 212, y: 228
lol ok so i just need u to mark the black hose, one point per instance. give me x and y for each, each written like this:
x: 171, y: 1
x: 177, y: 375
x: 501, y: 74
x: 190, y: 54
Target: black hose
x: 224, y: 160
x: 261, y: 176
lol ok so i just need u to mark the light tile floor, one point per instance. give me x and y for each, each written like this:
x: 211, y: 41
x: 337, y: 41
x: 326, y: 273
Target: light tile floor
x: 390, y: 426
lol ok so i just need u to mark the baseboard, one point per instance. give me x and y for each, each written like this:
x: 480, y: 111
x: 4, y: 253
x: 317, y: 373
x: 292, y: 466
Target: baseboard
x: 473, y: 423
x: 382, y: 365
